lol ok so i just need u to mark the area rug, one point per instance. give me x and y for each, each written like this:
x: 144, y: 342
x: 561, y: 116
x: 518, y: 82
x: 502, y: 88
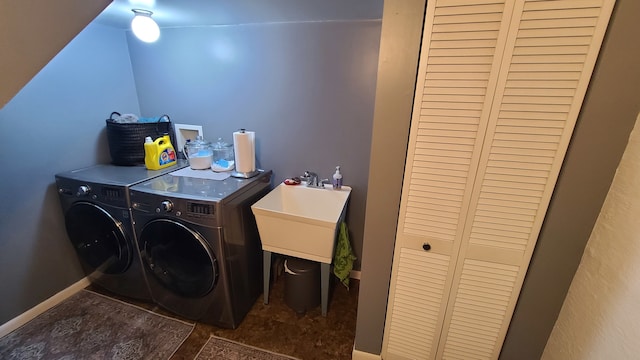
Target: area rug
x: 88, y: 325
x: 223, y: 349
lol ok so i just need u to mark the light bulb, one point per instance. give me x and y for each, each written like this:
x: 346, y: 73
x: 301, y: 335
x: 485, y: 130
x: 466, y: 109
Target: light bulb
x: 144, y: 27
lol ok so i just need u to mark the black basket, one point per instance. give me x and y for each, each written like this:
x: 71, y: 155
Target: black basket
x: 126, y: 140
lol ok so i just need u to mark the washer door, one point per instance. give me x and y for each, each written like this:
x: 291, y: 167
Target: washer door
x: 98, y: 238
x: 178, y: 258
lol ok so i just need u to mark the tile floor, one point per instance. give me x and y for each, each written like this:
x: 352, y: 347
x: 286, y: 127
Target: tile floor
x: 277, y: 327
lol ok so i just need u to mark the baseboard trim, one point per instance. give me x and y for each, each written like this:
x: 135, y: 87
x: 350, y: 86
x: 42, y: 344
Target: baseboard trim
x: 355, y: 274
x: 30, y: 314
x: 361, y: 355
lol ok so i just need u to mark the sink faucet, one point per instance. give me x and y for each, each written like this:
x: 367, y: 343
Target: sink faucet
x: 312, y: 180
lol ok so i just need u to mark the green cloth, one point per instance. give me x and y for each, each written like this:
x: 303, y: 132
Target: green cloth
x: 343, y: 257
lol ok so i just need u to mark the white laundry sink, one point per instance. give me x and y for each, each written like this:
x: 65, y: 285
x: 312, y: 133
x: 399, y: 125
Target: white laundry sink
x: 301, y: 221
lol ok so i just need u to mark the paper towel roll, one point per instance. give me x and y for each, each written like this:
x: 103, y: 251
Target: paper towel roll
x: 245, y: 151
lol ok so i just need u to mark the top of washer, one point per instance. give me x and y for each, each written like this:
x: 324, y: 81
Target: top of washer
x: 126, y: 176
x: 198, y: 189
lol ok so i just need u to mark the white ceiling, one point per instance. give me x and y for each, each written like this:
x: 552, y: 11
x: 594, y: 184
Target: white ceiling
x: 181, y: 13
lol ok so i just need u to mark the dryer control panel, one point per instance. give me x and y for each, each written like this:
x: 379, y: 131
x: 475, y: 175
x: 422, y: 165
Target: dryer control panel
x: 190, y: 210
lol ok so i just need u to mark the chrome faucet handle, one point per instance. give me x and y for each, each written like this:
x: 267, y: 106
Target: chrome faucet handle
x: 311, y: 178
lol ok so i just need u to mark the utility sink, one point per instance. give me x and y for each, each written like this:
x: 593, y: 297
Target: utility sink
x: 301, y: 221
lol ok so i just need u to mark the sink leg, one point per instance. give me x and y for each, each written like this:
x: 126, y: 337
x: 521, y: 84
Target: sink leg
x: 324, y: 286
x: 266, y: 270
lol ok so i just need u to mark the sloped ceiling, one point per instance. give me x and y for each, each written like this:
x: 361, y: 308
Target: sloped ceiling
x: 33, y: 32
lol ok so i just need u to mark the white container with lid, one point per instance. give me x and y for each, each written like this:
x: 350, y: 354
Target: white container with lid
x: 199, y: 153
x: 223, y: 158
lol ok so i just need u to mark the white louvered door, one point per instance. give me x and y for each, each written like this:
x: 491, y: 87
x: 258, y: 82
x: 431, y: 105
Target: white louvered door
x: 451, y: 113
x: 500, y: 85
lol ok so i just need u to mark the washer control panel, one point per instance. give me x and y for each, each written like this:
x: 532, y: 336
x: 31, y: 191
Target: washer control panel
x: 72, y: 190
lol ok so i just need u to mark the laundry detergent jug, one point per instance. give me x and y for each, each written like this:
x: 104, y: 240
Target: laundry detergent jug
x: 159, y: 154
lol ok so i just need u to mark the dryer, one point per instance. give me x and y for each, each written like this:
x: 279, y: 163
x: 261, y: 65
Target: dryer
x: 97, y: 214
x: 199, y: 245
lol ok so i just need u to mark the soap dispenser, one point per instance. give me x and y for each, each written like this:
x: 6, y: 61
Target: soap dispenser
x: 337, y: 179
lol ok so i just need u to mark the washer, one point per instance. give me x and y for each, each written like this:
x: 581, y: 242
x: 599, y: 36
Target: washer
x: 199, y: 245
x: 97, y: 212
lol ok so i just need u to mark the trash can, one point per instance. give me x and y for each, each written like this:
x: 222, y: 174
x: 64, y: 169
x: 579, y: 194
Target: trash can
x: 301, y: 284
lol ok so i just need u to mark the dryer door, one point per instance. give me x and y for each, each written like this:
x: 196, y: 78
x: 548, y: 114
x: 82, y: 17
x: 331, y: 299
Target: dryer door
x: 178, y: 258
x: 98, y: 238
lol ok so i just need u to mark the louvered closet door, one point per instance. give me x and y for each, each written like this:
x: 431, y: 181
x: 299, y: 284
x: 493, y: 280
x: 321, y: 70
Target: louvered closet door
x: 548, y: 61
x: 451, y: 112
x: 500, y: 86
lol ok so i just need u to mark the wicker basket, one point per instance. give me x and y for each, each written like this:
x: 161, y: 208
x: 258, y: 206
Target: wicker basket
x: 126, y: 140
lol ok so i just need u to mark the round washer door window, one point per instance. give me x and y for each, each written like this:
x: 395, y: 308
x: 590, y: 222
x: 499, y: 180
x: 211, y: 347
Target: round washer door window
x: 98, y: 238
x: 178, y: 258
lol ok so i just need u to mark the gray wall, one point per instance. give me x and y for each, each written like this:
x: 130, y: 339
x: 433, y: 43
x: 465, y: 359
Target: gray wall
x: 600, y: 137
x: 397, y: 69
x: 55, y: 123
x: 307, y: 90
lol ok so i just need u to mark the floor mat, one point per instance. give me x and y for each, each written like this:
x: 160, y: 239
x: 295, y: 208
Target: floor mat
x: 223, y: 349
x: 88, y: 325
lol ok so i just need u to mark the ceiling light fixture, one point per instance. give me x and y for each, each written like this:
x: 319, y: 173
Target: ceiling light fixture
x: 144, y: 27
